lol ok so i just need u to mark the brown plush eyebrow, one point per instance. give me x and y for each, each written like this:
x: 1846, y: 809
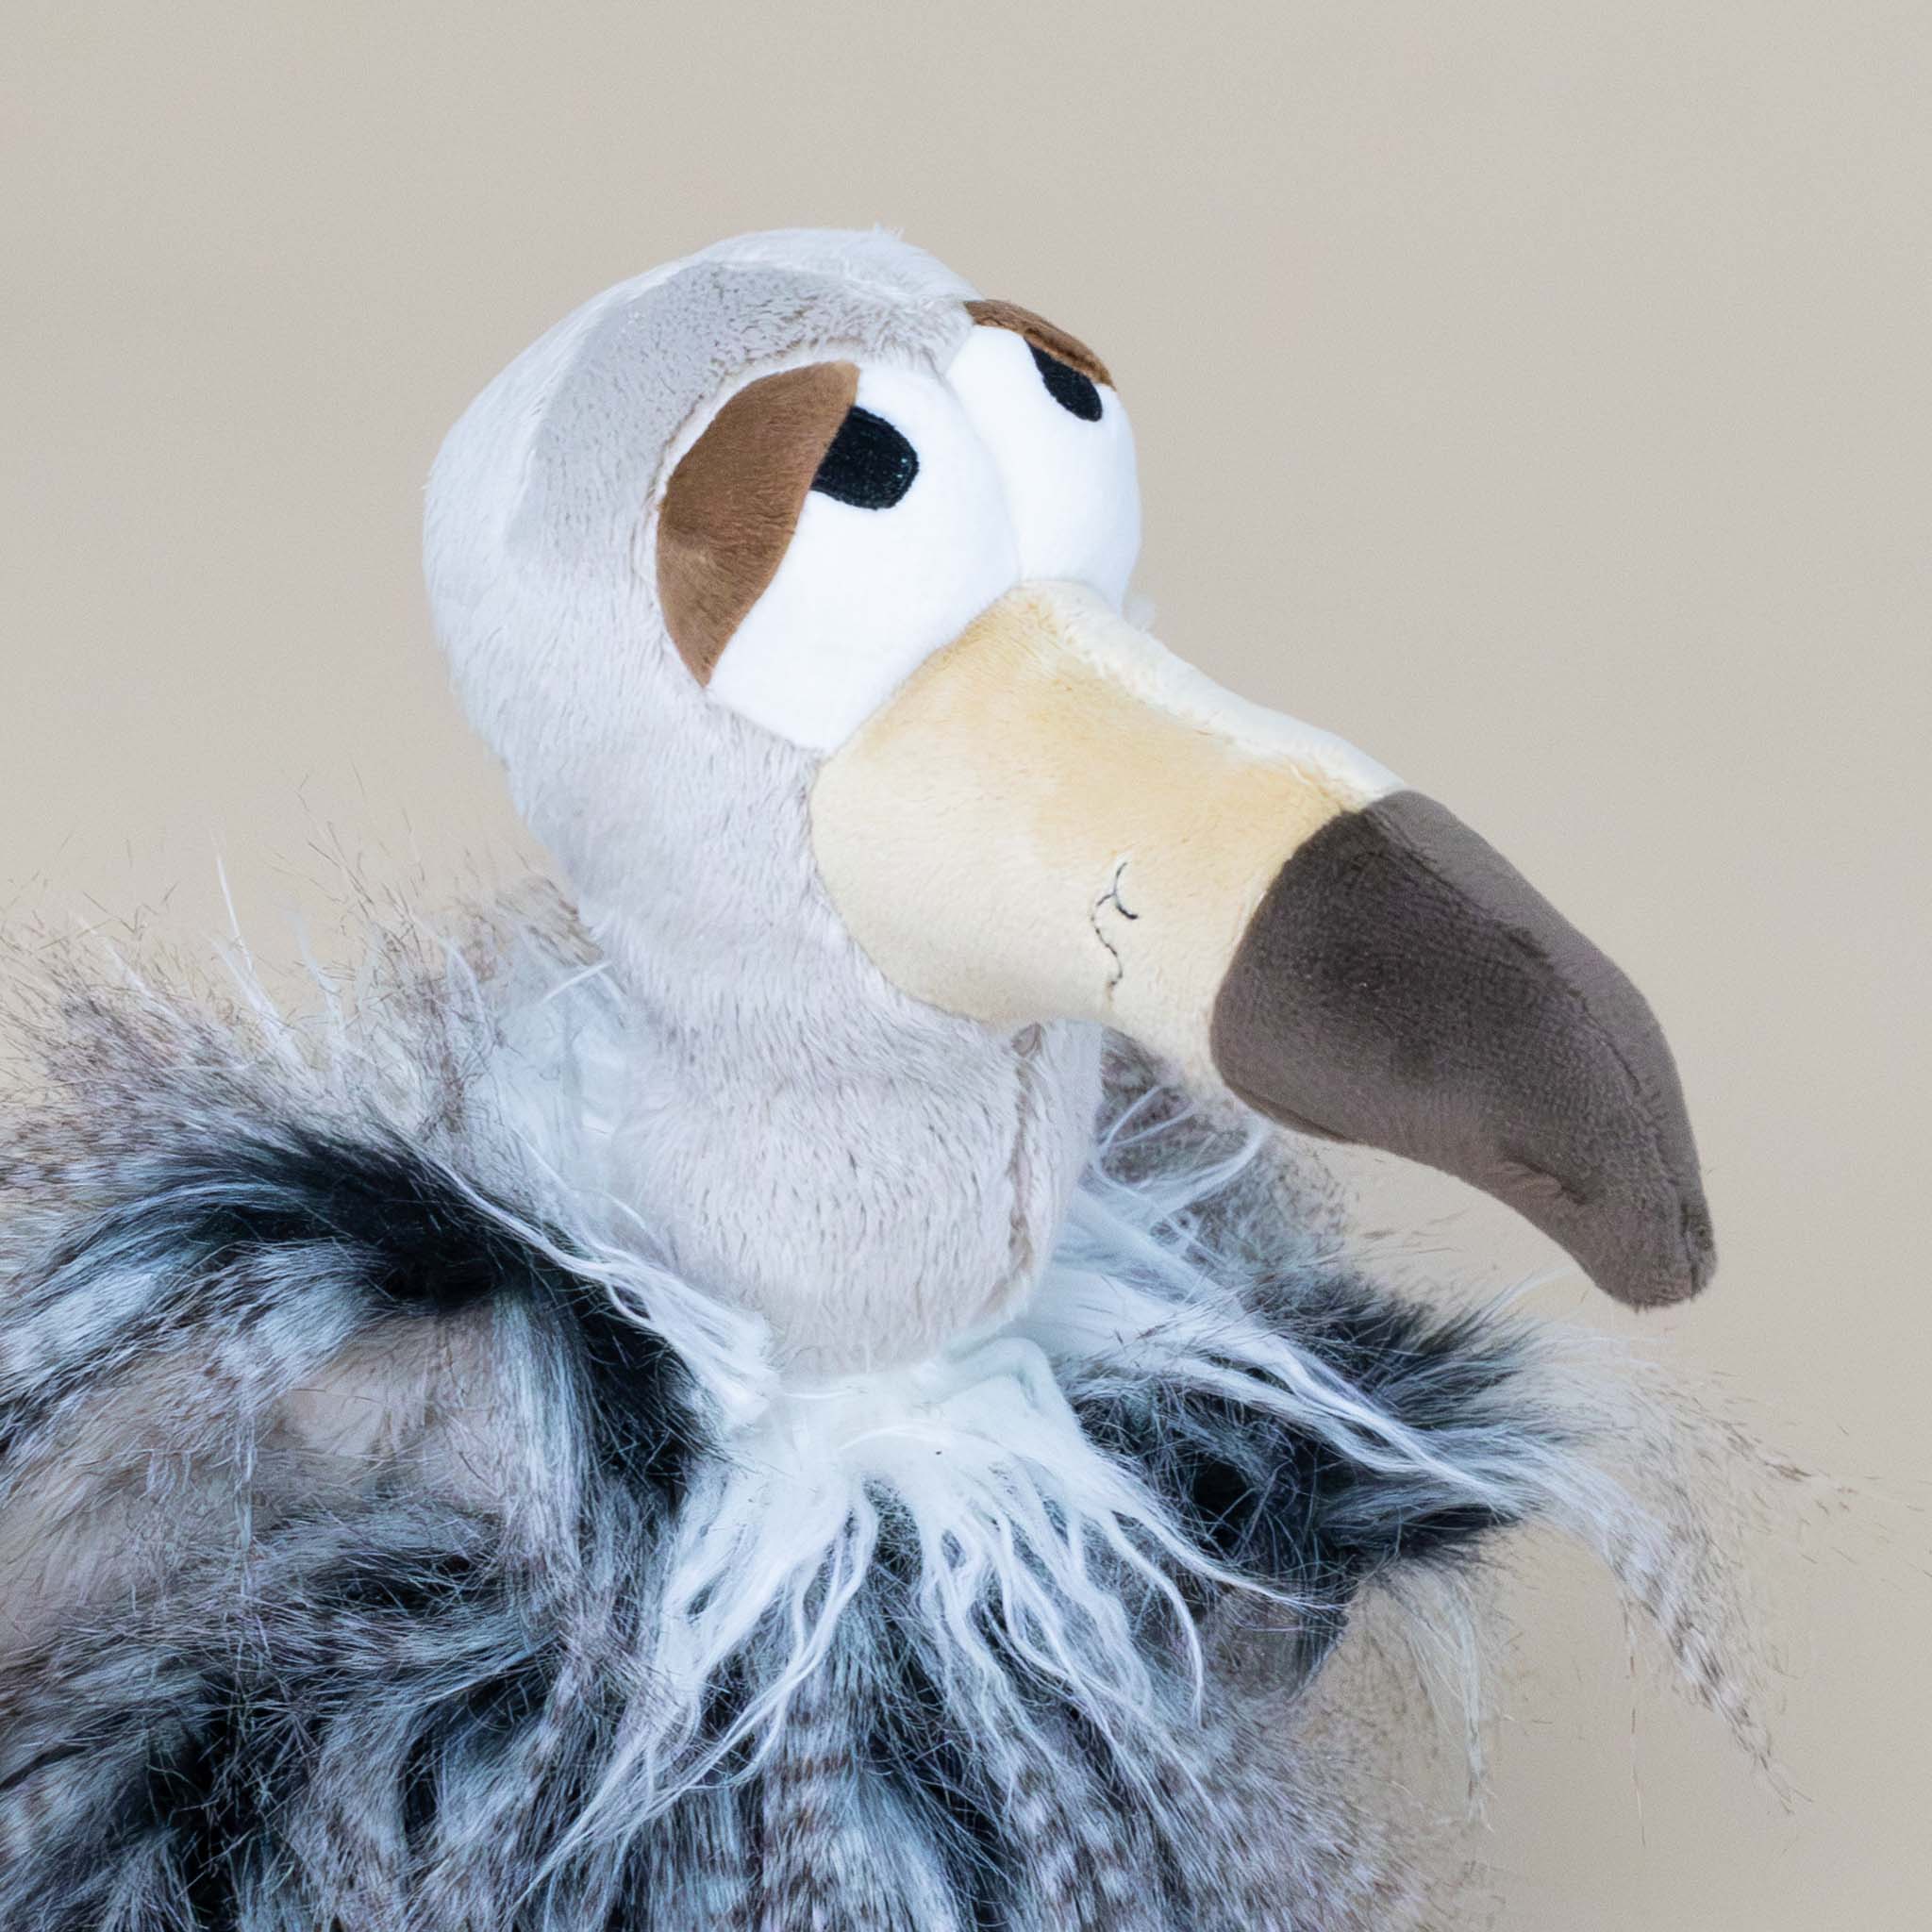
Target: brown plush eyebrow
x: 733, y: 503
x: 1042, y: 334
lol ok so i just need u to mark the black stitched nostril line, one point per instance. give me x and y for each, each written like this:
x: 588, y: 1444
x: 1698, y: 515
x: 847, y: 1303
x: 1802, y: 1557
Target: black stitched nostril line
x: 1111, y: 897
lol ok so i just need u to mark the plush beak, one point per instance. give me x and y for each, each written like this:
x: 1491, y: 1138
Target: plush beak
x: 1056, y: 818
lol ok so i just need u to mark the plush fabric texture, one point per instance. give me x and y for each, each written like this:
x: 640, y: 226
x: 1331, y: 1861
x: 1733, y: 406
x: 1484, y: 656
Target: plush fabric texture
x: 1071, y: 482
x: 653, y: 1415
x: 780, y: 1066
x: 1042, y: 335
x: 732, y: 504
x: 1040, y: 766
x: 1403, y: 985
x: 389, y: 1539
x: 1075, y: 394
x: 791, y: 1061
x: 869, y: 588
x: 869, y: 464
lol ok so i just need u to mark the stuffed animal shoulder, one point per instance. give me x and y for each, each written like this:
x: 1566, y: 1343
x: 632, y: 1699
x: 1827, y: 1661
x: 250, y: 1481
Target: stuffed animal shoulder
x: 808, y: 1387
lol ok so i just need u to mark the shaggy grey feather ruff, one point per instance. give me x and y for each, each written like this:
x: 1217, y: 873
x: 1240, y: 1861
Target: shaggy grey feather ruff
x: 388, y: 1539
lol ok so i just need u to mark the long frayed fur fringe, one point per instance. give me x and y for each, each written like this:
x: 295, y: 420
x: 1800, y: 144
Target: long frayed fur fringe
x: 389, y: 1539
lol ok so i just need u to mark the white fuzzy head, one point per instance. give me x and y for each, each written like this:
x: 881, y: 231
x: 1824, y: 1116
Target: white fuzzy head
x: 542, y: 529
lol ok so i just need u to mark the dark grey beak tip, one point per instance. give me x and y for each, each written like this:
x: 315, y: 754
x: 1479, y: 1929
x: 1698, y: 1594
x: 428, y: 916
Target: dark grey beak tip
x: 1403, y: 986
x: 1643, y: 1273
x: 1686, y: 1274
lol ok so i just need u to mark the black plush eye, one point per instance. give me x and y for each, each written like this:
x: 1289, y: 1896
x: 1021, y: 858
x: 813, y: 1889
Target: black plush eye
x: 868, y: 464
x: 1074, y: 392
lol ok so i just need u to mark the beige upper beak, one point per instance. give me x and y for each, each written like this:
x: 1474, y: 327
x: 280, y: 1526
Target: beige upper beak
x: 1056, y: 818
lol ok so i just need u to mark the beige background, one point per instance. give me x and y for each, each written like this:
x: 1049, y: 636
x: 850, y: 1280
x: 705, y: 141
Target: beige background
x: 1538, y: 393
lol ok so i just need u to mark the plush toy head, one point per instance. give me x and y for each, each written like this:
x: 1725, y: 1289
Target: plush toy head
x: 788, y: 581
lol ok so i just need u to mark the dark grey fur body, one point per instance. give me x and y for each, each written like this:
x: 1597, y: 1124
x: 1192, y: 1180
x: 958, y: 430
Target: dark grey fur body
x: 334, y: 1499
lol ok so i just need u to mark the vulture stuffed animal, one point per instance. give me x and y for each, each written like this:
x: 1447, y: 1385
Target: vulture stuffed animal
x: 816, y: 1386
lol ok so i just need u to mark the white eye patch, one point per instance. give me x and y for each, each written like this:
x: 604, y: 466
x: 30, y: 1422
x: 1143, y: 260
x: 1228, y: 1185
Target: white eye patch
x: 1069, y: 476
x: 879, y: 572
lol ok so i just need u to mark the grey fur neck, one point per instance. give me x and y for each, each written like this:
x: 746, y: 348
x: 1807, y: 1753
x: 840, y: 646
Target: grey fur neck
x: 872, y: 1177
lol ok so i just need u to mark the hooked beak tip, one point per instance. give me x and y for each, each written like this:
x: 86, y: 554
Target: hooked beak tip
x: 1401, y: 985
